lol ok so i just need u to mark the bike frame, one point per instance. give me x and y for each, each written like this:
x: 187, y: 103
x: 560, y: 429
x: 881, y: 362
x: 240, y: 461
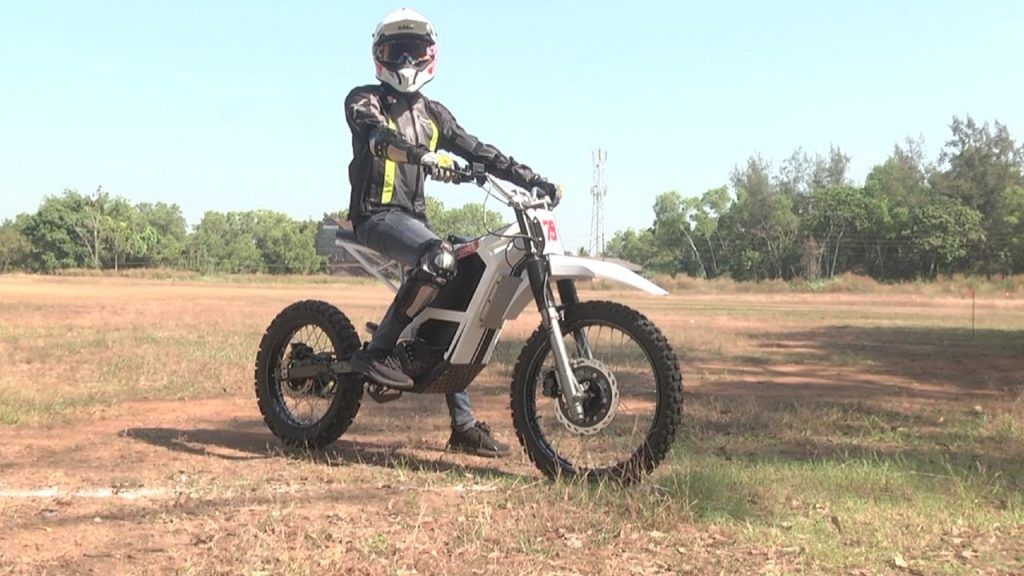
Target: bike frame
x: 519, y: 263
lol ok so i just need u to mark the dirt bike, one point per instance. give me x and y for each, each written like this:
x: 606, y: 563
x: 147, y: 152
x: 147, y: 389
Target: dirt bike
x: 596, y: 390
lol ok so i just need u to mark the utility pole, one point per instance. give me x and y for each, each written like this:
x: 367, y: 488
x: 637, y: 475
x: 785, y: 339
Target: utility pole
x: 599, y: 190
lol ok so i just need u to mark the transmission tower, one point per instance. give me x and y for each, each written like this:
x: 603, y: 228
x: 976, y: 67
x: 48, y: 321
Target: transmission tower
x: 599, y: 190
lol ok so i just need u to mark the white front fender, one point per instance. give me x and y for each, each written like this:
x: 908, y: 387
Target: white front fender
x: 576, y: 267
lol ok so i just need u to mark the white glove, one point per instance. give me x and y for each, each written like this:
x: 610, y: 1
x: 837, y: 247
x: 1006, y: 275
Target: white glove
x: 440, y: 166
x: 438, y: 160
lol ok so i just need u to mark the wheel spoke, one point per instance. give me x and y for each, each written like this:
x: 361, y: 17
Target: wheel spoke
x: 305, y: 402
x: 629, y: 367
x: 302, y: 400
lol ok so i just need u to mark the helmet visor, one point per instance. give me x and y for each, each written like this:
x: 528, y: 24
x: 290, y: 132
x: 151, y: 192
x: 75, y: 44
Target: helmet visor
x: 394, y: 52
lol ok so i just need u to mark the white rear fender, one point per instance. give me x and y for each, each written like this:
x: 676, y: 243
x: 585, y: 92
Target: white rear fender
x: 576, y: 267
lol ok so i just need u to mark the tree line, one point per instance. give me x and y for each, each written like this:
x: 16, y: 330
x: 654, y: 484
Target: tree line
x: 105, y: 232
x: 910, y: 218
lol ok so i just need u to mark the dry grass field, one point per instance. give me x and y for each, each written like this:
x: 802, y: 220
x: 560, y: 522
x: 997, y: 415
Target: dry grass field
x: 824, y: 434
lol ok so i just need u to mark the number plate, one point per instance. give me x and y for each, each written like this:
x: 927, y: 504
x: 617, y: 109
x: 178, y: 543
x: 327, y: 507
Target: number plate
x: 552, y: 237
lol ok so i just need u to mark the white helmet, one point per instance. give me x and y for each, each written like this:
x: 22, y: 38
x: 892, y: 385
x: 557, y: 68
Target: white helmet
x: 404, y: 50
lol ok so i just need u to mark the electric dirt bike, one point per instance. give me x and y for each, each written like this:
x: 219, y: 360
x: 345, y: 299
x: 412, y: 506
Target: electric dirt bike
x: 596, y: 391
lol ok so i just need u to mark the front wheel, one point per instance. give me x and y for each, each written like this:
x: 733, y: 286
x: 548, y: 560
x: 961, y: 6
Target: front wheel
x: 633, y: 396
x: 314, y: 411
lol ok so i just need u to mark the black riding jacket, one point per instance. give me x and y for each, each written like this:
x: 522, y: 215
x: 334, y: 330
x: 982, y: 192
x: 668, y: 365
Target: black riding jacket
x: 419, y: 125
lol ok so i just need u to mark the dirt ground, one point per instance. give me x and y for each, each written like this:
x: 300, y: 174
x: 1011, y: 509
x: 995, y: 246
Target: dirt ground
x: 199, y: 485
x: 112, y: 493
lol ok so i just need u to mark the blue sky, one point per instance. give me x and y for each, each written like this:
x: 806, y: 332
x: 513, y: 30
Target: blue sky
x: 236, y: 105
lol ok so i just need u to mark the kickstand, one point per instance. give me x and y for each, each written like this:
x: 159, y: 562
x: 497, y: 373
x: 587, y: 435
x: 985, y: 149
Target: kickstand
x: 382, y: 394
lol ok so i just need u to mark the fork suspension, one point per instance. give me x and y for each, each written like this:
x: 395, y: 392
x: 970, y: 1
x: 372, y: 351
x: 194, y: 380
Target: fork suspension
x: 570, y: 388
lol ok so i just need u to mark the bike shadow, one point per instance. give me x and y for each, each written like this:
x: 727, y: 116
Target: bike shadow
x: 241, y: 445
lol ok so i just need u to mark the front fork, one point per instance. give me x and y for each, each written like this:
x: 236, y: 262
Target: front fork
x: 569, y: 297
x: 571, y: 390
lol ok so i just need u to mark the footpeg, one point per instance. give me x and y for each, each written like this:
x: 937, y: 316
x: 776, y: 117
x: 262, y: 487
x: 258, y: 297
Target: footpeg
x: 382, y: 394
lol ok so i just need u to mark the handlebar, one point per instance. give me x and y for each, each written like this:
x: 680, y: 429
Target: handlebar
x: 514, y: 197
x: 475, y: 172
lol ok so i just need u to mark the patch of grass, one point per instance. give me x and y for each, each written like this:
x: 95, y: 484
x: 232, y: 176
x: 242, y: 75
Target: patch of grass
x: 709, y: 491
x: 18, y: 408
x: 533, y: 544
x: 377, y: 546
x: 834, y: 515
x: 824, y: 433
x: 853, y: 485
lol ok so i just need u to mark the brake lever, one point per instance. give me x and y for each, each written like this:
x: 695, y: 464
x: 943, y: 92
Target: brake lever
x: 539, y: 200
x: 526, y: 202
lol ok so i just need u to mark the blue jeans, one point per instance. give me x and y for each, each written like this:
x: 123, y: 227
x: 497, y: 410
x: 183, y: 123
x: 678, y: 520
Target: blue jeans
x: 404, y: 238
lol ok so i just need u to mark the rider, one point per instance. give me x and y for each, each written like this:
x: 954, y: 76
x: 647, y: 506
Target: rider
x: 396, y: 137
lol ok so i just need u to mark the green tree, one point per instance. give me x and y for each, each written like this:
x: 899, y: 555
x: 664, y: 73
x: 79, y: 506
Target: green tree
x: 254, y: 242
x: 286, y: 246
x: 91, y: 222
x: 470, y: 220
x: 672, y: 239
x: 835, y: 214
x: 942, y: 234
x: 894, y: 190
x: 101, y: 231
x: 831, y: 172
x: 125, y: 234
x: 633, y: 246
x: 1007, y: 225
x: 225, y: 243
x: 704, y: 214
x: 166, y: 246
x: 57, y: 235
x: 762, y: 225
x: 14, y: 246
x: 800, y: 175
x: 979, y: 165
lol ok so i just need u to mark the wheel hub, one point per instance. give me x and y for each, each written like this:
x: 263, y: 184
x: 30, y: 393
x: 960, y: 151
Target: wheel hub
x: 303, y: 355
x: 600, y: 398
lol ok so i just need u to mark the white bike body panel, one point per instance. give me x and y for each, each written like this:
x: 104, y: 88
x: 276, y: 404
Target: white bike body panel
x: 502, y: 290
x: 587, y: 268
x: 478, y: 322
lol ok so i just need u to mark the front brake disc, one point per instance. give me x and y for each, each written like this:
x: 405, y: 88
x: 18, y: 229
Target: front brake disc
x: 600, y: 403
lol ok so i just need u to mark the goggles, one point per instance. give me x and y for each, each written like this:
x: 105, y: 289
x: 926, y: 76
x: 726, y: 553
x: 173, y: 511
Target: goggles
x: 398, y: 52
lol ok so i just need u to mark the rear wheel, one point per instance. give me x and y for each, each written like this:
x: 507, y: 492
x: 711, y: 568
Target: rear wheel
x: 632, y: 404
x: 314, y: 411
